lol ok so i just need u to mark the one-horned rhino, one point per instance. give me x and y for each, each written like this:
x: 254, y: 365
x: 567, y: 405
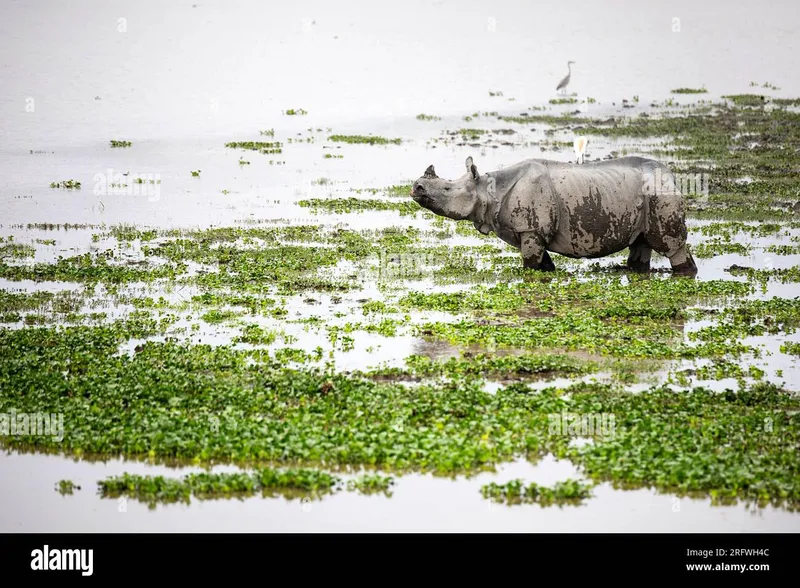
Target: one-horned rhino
x: 580, y: 211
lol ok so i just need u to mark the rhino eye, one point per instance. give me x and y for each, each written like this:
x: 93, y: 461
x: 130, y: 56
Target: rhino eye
x: 447, y: 188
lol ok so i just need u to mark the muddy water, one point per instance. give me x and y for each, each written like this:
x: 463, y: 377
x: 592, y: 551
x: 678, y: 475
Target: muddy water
x: 180, y: 80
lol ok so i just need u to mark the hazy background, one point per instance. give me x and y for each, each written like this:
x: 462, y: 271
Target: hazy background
x: 184, y: 69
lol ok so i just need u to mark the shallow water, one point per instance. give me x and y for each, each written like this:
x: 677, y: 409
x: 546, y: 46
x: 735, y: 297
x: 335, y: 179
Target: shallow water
x: 181, y: 80
x: 417, y: 504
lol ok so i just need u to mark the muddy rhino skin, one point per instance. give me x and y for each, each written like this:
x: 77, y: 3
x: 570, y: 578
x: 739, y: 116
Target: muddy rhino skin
x: 581, y: 211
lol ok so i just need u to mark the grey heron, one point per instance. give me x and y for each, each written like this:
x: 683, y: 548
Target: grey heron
x: 562, y: 85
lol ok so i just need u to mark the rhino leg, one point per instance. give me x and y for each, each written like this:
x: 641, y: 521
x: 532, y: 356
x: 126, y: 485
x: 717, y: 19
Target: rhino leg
x: 668, y: 233
x: 640, y: 253
x: 683, y: 262
x: 534, y: 254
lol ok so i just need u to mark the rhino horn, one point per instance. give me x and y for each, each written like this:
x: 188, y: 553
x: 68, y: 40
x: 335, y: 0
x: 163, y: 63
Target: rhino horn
x: 430, y: 173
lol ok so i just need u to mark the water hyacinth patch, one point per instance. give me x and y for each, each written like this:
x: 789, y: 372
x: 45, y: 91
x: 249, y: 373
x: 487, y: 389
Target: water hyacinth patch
x: 205, y: 486
x: 517, y: 492
x: 221, y: 344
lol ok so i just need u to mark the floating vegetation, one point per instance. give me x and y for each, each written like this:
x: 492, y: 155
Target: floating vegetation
x: 362, y: 139
x: 68, y: 184
x: 765, y: 85
x: 208, y: 486
x: 220, y: 345
x: 525, y: 118
x: 115, y: 143
x: 16, y: 250
x: 740, y: 443
x: 783, y: 249
x: 216, y: 316
x: 266, y: 147
x: 489, y: 366
x: 790, y: 348
x: 786, y: 101
x: 293, y: 112
x: 747, y: 99
x: 517, y: 492
x: 428, y: 117
x: 196, y: 173
x: 789, y: 274
x: 256, y: 335
x: 66, y: 487
x: 711, y: 249
x: 689, y: 91
x: 372, y: 484
x: 352, y: 204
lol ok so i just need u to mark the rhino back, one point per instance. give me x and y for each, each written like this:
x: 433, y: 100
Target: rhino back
x: 601, y: 208
x: 501, y: 182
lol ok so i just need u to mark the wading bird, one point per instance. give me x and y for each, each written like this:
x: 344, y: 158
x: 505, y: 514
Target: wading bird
x: 580, y: 148
x: 562, y: 85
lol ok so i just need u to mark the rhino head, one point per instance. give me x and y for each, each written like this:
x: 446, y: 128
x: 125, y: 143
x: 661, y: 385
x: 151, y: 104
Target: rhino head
x: 456, y: 200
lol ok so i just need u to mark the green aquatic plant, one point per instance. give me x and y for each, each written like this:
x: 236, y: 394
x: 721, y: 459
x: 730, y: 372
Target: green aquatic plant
x: 353, y: 204
x: 783, y: 249
x: 66, y: 184
x: 256, y: 335
x: 746, y: 99
x: 17, y: 250
x: 217, y: 316
x: 714, y: 248
x: 207, y: 404
x: 488, y: 366
x: 116, y: 143
x: 786, y: 101
x: 372, y: 484
x: 790, y: 348
x: 362, y: 139
x: 66, y: 487
x: 208, y: 486
x: 262, y: 146
x: 517, y: 492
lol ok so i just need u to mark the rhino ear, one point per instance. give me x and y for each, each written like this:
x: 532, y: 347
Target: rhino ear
x: 430, y: 173
x: 471, y: 169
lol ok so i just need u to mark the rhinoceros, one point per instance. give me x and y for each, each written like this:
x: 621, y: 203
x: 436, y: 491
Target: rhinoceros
x: 576, y: 210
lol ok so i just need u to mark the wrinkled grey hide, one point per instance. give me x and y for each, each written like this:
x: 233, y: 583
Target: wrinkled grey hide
x: 579, y: 211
